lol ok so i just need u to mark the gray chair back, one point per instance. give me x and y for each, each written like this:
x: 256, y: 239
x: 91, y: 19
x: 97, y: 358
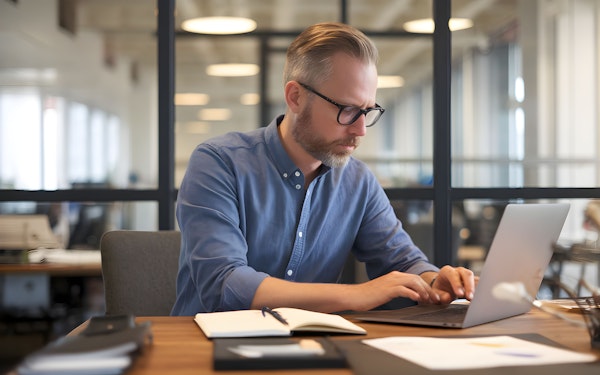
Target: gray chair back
x: 139, y: 270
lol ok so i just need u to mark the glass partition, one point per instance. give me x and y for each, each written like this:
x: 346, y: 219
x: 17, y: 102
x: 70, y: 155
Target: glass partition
x: 79, y: 100
x: 80, y: 225
x: 524, y: 100
x: 77, y: 103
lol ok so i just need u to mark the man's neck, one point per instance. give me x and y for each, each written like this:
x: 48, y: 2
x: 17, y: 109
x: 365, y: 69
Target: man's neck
x: 308, y: 165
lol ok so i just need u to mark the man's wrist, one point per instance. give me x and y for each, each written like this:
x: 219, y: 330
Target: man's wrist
x: 433, y: 281
x: 429, y: 277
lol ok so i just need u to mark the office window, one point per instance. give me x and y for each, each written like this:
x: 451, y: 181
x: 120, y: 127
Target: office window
x: 49, y: 143
x: 53, y: 147
x: 77, y: 141
x: 114, y: 154
x: 527, y: 114
x: 20, y: 140
x: 90, y: 84
x: 97, y: 147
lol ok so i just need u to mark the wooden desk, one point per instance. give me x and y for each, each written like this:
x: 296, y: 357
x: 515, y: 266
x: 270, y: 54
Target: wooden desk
x: 181, y: 348
x: 53, y: 269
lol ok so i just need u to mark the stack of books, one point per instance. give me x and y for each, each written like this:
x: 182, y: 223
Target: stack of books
x: 107, y: 346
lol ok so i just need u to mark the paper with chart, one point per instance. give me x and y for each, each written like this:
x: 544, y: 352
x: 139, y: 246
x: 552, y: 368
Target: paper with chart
x: 475, y: 352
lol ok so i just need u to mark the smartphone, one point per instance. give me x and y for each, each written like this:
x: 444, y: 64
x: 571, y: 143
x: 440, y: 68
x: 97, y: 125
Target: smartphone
x: 108, y: 323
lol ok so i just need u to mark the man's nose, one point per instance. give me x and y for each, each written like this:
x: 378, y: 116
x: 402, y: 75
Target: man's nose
x: 358, y: 128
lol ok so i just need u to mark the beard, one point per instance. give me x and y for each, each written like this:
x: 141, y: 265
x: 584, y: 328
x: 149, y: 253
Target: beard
x: 319, y: 148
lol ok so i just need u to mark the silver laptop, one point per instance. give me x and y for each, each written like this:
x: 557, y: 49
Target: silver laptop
x: 520, y: 252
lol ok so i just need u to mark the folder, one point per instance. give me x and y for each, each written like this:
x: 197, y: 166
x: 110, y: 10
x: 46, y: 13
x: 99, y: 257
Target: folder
x: 226, y: 357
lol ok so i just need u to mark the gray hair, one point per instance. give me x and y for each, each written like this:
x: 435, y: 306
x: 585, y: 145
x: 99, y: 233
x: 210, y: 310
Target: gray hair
x: 308, y: 58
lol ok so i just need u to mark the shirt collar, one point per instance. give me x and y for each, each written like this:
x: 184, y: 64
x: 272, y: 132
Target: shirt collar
x: 286, y: 167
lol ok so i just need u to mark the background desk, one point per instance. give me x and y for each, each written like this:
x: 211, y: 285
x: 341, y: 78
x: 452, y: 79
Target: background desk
x: 576, y: 253
x: 181, y: 348
x: 39, y: 302
x: 38, y: 286
x: 52, y: 269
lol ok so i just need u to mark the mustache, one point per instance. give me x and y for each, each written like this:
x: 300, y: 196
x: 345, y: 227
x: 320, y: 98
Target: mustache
x: 353, y: 141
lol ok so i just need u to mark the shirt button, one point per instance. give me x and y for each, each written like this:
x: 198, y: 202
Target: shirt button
x: 285, y: 175
x: 298, y: 187
x: 297, y: 174
x: 300, y: 234
x: 290, y: 272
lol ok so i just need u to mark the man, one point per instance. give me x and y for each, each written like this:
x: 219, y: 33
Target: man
x: 269, y: 217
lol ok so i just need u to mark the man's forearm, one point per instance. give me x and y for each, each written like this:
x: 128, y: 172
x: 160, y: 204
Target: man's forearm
x: 275, y: 292
x: 321, y: 297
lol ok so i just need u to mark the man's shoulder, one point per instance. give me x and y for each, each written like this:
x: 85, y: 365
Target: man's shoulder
x: 236, y: 140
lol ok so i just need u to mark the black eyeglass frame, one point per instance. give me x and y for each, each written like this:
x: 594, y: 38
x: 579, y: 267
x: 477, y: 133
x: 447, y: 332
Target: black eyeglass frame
x: 343, y: 107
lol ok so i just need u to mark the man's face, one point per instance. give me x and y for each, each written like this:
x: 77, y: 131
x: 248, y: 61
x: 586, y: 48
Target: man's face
x: 316, y: 128
x: 333, y: 153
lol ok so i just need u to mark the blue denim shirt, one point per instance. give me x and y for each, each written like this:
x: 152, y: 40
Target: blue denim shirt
x: 244, y: 215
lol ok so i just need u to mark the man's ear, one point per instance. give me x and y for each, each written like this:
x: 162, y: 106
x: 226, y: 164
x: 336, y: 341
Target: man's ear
x: 292, y: 95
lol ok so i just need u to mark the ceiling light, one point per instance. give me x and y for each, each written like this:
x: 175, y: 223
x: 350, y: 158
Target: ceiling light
x: 426, y: 25
x: 232, y: 70
x: 214, y: 114
x: 219, y: 25
x: 250, y: 98
x: 385, y: 82
x: 191, y: 98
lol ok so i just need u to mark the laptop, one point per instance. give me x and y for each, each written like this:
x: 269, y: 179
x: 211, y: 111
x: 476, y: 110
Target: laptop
x: 520, y: 252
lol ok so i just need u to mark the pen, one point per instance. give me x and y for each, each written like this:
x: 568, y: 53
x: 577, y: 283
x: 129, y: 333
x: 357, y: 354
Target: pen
x: 275, y: 314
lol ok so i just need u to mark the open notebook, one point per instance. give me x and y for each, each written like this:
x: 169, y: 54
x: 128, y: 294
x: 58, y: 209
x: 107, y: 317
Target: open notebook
x: 520, y: 252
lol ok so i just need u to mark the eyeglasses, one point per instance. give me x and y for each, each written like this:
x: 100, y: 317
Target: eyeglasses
x: 348, y: 114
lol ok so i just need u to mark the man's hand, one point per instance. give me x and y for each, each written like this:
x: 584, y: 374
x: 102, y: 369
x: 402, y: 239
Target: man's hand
x: 395, y: 284
x: 454, y: 282
x: 450, y: 283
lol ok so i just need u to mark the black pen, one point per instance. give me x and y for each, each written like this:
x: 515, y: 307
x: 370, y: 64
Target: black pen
x: 275, y: 314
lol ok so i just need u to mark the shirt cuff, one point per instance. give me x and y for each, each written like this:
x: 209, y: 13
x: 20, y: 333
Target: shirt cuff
x: 421, y: 267
x: 240, y: 288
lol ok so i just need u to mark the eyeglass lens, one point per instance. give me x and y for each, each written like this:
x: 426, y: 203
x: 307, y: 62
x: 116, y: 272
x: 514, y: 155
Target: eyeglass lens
x: 349, y: 115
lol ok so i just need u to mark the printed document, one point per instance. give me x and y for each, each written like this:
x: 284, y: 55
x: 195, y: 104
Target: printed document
x: 475, y: 352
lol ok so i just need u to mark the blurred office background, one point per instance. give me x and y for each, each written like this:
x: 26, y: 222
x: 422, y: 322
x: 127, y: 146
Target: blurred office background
x: 84, y: 136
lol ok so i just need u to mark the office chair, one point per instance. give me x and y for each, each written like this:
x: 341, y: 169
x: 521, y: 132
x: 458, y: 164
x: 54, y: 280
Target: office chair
x: 139, y: 269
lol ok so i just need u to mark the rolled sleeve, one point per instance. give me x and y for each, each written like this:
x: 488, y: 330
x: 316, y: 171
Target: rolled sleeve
x: 240, y: 288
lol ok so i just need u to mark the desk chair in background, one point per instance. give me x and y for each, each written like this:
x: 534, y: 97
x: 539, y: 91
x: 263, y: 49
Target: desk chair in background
x: 139, y: 269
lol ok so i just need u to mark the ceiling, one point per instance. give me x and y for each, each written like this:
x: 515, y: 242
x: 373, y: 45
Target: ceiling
x: 128, y: 28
